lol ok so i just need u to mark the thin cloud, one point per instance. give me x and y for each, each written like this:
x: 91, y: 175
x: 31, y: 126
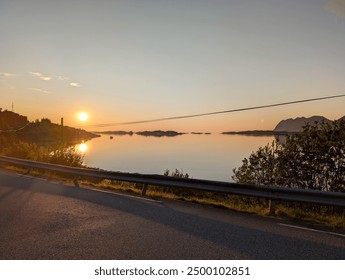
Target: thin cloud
x: 7, y: 75
x: 5, y: 79
x: 75, y: 84
x: 45, y: 78
x: 62, y: 78
x: 39, y: 90
x: 36, y: 74
x: 40, y: 76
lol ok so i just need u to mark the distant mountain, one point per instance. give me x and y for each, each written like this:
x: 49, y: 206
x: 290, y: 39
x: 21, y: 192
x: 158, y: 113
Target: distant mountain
x: 286, y: 127
x: 297, y: 124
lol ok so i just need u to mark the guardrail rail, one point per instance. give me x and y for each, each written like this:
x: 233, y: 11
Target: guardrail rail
x: 272, y: 193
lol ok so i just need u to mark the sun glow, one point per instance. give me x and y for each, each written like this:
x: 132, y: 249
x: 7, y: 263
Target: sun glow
x: 83, y: 116
x: 82, y: 147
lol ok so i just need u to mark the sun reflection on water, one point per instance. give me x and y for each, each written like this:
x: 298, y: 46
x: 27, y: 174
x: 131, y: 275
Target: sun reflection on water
x: 82, y: 147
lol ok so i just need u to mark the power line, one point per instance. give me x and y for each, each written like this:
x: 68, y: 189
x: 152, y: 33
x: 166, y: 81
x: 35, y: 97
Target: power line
x: 217, y: 112
x: 15, y: 130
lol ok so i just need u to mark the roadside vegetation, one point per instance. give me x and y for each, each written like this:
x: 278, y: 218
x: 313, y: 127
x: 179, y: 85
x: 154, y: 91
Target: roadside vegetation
x: 57, y: 154
x: 40, y: 140
x: 313, y: 159
x: 316, y: 214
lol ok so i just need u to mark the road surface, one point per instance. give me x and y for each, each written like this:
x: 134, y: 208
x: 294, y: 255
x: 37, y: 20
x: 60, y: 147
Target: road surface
x: 48, y: 220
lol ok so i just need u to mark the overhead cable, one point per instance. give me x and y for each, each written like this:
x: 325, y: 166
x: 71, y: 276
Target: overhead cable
x: 15, y: 130
x: 217, y: 112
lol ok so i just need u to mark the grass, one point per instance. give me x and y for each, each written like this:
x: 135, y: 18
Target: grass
x: 320, y: 215
x: 334, y: 219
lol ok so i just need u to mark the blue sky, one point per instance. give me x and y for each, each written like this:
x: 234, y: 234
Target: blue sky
x: 133, y: 60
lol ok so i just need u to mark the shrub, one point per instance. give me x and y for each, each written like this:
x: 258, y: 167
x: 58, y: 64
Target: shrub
x: 312, y: 159
x: 60, y: 155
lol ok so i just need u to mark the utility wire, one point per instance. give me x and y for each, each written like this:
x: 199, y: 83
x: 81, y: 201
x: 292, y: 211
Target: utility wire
x: 217, y: 112
x: 15, y: 130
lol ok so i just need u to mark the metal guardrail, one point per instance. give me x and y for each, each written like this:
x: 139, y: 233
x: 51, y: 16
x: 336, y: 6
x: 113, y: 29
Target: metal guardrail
x: 272, y: 193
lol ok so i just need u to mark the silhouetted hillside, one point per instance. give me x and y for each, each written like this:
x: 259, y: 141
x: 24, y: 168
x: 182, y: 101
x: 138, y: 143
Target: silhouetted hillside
x: 46, y: 131
x: 17, y: 127
x: 11, y: 121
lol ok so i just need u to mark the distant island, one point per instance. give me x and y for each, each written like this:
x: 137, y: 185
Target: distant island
x: 200, y: 133
x: 283, y: 128
x: 117, y: 132
x: 159, y: 133
x: 154, y: 133
x: 258, y: 132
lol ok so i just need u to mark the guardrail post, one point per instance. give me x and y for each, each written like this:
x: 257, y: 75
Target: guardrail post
x: 75, y: 181
x: 272, y: 206
x: 28, y: 171
x: 144, y: 189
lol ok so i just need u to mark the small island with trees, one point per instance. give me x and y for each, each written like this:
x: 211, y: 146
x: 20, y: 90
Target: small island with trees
x: 146, y: 133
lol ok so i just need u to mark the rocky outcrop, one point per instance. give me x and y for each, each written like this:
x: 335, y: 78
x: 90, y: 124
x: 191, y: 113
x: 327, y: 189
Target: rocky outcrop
x: 297, y: 124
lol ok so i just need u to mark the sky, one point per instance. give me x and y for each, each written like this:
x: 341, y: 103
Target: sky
x: 132, y: 60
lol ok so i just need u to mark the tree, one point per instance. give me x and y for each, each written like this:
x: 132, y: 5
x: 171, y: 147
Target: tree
x: 312, y: 159
x: 177, y: 173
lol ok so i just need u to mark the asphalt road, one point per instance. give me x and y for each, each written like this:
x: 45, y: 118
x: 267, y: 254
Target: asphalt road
x: 48, y: 220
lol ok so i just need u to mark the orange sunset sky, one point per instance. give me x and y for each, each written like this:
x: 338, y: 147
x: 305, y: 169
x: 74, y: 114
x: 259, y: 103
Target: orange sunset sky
x: 123, y: 61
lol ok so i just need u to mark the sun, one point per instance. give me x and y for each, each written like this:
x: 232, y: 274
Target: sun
x: 82, y: 116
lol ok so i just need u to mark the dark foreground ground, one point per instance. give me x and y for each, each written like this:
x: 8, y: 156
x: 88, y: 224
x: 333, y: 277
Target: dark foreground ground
x: 47, y: 220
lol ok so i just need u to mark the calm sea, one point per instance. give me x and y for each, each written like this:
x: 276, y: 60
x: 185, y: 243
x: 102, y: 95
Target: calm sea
x: 210, y: 157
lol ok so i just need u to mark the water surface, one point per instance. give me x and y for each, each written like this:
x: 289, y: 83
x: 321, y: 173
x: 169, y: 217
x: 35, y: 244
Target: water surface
x: 210, y: 157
